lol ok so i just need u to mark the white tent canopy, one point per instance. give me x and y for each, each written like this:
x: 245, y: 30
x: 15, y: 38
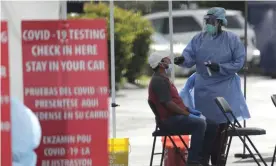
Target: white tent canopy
x: 14, y: 12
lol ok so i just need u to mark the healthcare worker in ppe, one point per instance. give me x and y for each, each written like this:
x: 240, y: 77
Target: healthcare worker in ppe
x: 218, y: 56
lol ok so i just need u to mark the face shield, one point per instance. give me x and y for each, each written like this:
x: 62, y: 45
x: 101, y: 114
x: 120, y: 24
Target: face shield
x: 210, y: 24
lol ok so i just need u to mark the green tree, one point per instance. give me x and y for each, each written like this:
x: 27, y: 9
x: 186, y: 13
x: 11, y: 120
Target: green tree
x: 130, y: 27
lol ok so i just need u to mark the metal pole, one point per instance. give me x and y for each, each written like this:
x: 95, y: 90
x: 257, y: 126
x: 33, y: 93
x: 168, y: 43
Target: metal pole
x: 243, y: 155
x: 63, y: 10
x: 112, y: 49
x: 245, y: 71
x: 171, y: 39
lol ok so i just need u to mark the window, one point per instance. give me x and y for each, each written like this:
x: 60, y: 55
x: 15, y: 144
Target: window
x: 157, y: 38
x: 75, y: 6
x: 158, y: 25
x: 233, y: 22
x: 182, y: 24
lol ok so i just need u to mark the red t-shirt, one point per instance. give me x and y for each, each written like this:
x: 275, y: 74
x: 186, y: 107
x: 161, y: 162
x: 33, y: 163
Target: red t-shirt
x: 162, y: 90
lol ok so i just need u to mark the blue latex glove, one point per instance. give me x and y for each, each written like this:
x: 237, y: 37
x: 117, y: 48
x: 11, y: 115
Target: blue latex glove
x: 195, y: 112
x: 193, y: 116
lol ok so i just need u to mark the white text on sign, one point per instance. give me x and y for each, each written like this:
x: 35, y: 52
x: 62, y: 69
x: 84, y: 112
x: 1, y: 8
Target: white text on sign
x: 4, y: 37
x: 3, y: 71
x: 65, y: 91
x: 68, y: 162
x: 70, y: 115
x: 65, y: 66
x: 5, y: 126
x: 67, y: 139
x: 72, y: 34
x: 5, y: 99
x: 66, y: 103
x: 64, y: 50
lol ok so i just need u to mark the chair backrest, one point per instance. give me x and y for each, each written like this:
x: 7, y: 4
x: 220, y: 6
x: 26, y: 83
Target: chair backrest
x: 154, y: 110
x: 273, y: 98
x: 223, y: 104
x: 226, y: 110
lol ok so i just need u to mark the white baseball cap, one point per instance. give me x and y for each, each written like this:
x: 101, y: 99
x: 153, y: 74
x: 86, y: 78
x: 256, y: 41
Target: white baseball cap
x: 156, y: 57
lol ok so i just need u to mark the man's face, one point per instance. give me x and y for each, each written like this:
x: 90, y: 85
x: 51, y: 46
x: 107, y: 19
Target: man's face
x: 165, y: 62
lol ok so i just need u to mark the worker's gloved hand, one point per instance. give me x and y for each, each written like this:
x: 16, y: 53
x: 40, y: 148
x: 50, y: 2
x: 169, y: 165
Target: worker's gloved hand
x: 195, y: 112
x: 213, y: 66
x: 179, y: 60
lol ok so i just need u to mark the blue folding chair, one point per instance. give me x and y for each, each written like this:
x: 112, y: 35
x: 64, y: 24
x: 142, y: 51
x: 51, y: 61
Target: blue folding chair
x: 162, y: 130
x: 235, y: 129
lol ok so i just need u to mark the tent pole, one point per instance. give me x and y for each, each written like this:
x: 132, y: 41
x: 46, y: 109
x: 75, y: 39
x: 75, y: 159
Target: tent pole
x: 246, y: 68
x: 63, y: 10
x: 244, y: 155
x: 171, y: 39
x: 113, y: 90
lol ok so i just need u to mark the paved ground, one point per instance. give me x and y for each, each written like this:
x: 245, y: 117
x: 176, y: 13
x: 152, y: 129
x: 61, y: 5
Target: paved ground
x: 136, y: 121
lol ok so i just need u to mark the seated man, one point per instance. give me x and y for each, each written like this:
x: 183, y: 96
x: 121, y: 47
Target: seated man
x: 174, y: 114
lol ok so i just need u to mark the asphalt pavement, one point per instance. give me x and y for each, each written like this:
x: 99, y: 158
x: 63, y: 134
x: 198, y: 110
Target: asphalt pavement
x: 134, y: 120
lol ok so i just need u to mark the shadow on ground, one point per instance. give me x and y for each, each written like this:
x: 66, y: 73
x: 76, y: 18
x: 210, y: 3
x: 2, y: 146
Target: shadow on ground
x: 267, y: 159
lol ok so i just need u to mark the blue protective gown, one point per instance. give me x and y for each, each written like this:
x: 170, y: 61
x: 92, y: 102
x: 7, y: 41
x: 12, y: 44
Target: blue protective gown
x: 26, y: 134
x: 187, y: 92
x: 227, y: 50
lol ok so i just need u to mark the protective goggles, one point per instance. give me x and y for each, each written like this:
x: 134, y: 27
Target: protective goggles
x: 210, y: 19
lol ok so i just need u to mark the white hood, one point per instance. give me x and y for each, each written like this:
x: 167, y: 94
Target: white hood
x: 26, y: 133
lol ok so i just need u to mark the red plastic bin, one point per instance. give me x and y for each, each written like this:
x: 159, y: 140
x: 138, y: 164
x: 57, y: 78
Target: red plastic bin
x: 171, y: 157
